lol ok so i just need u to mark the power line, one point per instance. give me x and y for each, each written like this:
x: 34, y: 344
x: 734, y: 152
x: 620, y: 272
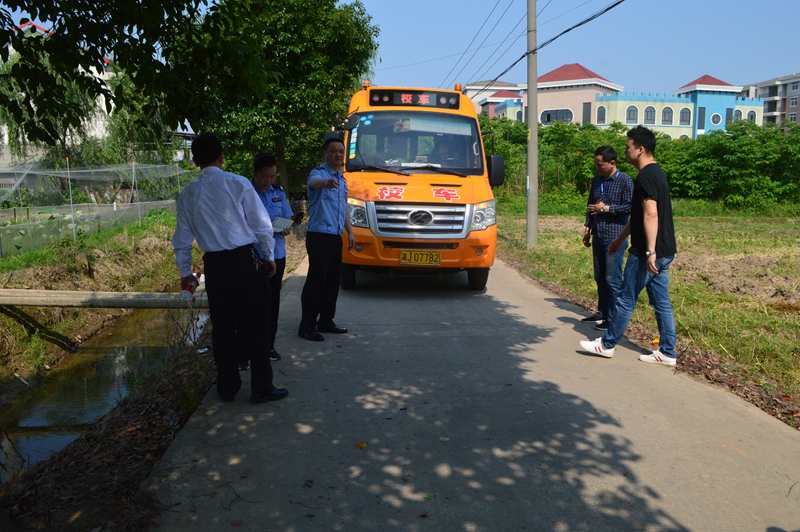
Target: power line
x: 524, y: 32
x: 437, y: 58
x: 484, y: 40
x: 503, y: 54
x: 499, y: 44
x: 550, y: 41
x: 470, y: 43
x: 480, y: 47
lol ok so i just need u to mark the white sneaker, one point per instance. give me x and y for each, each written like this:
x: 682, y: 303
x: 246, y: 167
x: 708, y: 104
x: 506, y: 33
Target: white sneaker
x: 657, y: 357
x: 597, y: 348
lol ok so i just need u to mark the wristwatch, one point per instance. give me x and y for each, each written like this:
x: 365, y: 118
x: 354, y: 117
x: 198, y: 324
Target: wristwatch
x: 648, y: 253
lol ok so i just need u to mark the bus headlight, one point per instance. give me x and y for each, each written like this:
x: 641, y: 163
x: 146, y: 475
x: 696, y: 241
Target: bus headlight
x: 483, y: 216
x: 357, y: 210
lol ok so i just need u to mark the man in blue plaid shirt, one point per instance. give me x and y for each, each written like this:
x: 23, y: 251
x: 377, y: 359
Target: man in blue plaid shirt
x: 606, y: 215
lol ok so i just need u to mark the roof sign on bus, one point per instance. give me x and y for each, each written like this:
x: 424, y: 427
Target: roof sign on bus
x: 411, y: 98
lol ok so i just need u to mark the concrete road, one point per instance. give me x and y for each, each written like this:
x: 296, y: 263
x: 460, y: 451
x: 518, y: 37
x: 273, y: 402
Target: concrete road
x: 447, y: 409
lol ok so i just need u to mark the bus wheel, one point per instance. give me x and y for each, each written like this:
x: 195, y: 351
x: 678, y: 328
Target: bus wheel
x: 348, y: 276
x: 477, y: 278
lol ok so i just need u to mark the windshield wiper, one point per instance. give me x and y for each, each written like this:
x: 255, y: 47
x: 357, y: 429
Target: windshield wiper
x: 379, y: 168
x: 439, y: 169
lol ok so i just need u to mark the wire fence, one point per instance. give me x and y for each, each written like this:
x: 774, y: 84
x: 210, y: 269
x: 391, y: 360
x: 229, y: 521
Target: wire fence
x: 42, y: 205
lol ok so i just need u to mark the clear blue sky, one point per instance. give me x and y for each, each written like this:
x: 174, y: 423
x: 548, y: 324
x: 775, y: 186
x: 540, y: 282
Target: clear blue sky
x: 643, y: 45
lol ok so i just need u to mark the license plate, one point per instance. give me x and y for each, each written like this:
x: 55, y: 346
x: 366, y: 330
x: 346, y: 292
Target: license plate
x: 428, y: 258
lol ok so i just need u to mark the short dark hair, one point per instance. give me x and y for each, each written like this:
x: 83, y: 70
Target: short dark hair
x: 263, y: 160
x: 643, y: 138
x: 609, y: 154
x: 331, y: 140
x: 206, y: 149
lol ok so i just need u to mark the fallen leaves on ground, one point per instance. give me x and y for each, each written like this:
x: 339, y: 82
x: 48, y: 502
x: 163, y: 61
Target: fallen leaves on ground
x: 96, y: 477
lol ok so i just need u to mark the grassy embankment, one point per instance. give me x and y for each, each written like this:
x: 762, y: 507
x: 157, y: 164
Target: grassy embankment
x: 126, y: 259
x: 734, y: 285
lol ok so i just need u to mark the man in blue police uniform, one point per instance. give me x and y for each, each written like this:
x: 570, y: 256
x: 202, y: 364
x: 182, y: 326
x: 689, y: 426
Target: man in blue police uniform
x: 328, y: 217
x: 265, y: 171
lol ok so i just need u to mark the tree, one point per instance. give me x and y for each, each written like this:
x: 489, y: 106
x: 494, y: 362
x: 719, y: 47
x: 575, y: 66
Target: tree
x: 140, y: 37
x: 67, y: 131
x: 321, y: 50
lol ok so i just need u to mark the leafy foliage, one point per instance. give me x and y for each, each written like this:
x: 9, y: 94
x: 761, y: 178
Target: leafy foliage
x: 746, y: 167
x: 141, y: 37
x: 321, y: 49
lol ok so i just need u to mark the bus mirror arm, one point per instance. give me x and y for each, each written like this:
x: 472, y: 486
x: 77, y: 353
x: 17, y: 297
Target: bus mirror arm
x: 492, y: 134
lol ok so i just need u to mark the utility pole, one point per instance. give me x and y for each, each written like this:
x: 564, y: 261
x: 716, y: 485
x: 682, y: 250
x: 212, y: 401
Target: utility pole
x: 532, y: 227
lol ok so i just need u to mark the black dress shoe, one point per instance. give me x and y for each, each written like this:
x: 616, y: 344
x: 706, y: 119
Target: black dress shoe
x: 594, y: 317
x: 314, y: 336
x: 244, y: 366
x: 274, y: 355
x: 227, y: 398
x: 333, y: 329
x: 275, y: 395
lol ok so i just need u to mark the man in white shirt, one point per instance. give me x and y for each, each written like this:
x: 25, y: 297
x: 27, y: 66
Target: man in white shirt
x: 224, y: 214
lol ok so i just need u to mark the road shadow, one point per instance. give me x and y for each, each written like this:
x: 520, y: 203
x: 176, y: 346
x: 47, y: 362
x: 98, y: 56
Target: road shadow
x: 386, y: 430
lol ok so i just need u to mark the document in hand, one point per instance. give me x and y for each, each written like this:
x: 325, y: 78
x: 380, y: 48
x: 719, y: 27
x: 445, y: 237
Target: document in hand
x: 279, y: 224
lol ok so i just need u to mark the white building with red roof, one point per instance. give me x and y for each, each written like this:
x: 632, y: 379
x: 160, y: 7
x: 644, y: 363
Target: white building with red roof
x: 573, y: 93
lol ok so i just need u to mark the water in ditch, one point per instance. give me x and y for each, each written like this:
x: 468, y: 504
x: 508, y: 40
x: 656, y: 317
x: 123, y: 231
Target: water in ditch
x: 90, y: 383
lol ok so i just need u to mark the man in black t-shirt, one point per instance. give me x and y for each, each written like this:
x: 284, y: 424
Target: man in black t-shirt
x: 652, y: 250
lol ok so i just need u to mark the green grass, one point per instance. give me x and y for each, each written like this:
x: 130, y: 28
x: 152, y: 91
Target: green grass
x: 566, y: 202
x: 65, y: 250
x: 734, y: 284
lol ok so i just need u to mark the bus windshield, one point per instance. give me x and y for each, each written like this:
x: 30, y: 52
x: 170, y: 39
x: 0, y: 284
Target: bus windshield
x: 416, y: 141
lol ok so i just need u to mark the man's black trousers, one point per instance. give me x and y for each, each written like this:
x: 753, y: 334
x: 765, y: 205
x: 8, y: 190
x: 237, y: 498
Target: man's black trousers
x: 238, y: 298
x: 322, y: 282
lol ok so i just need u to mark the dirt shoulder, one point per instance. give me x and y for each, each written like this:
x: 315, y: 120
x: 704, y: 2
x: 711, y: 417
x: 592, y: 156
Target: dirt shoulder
x: 92, y: 483
x: 35, y: 339
x: 77, y: 490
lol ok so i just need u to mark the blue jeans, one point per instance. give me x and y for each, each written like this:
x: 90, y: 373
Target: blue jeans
x: 636, y: 278
x: 607, y: 274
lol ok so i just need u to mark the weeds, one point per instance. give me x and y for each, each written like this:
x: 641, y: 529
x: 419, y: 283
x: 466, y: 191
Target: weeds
x: 733, y: 284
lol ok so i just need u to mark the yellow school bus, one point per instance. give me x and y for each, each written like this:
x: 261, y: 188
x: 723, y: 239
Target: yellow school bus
x: 420, y: 185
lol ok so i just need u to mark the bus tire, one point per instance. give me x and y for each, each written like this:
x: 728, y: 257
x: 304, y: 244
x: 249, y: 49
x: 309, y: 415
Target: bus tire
x: 348, y: 276
x: 477, y: 278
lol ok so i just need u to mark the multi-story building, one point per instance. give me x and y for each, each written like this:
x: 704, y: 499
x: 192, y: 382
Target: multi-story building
x: 573, y: 93
x: 780, y: 97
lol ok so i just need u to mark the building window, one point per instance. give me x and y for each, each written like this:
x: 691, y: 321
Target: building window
x: 792, y: 117
x: 601, y: 115
x: 519, y: 116
x: 751, y: 116
x: 649, y: 115
x: 794, y: 86
x: 666, y: 116
x: 686, y: 117
x: 716, y: 118
x: 632, y: 115
x: 556, y: 115
x: 793, y: 102
x: 737, y: 115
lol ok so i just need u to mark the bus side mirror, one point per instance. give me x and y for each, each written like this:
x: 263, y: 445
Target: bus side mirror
x: 352, y: 122
x: 496, y: 166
